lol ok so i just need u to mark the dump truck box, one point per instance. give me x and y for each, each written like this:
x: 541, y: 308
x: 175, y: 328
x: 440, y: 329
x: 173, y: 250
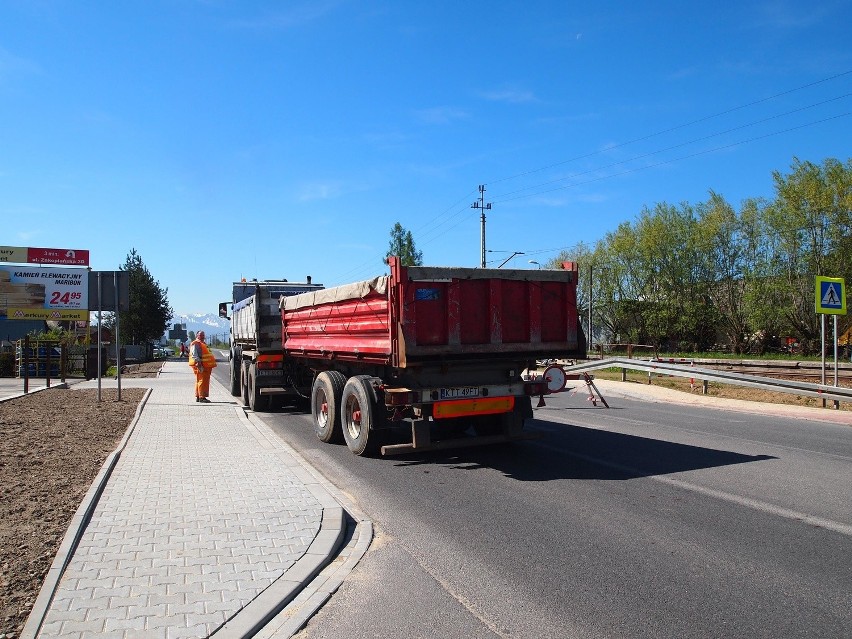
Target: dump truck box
x: 421, y: 316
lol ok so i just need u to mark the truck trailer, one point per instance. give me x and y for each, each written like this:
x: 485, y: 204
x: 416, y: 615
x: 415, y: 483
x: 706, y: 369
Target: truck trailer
x: 427, y: 357
x: 256, y: 356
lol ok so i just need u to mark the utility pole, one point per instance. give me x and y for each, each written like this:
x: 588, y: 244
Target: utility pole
x: 481, y: 204
x: 590, y: 340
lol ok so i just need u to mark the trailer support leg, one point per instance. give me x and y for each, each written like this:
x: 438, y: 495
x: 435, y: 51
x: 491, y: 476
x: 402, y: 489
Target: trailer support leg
x: 590, y: 385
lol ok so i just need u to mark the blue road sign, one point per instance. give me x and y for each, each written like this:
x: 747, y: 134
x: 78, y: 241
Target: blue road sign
x: 830, y: 295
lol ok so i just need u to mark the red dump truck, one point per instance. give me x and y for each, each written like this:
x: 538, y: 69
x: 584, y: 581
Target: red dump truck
x: 429, y: 357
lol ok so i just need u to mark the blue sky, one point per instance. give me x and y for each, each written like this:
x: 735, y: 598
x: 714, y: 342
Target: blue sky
x: 283, y: 139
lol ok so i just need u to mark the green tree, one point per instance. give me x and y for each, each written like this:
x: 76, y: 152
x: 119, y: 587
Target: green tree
x: 621, y: 277
x: 812, y: 218
x: 582, y: 255
x: 676, y: 309
x: 678, y: 276
x: 150, y: 312
x: 723, y: 259
x: 402, y: 245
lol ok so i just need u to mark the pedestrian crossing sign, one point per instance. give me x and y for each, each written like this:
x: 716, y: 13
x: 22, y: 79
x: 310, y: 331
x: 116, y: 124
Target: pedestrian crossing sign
x: 830, y: 295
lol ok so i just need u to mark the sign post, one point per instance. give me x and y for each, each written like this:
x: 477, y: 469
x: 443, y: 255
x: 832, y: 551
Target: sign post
x: 110, y: 291
x: 830, y: 299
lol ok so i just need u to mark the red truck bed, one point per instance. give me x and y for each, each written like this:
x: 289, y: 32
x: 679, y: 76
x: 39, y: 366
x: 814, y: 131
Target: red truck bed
x: 426, y: 314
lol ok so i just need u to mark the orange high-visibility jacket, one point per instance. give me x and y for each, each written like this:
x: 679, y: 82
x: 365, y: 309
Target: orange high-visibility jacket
x: 208, y: 360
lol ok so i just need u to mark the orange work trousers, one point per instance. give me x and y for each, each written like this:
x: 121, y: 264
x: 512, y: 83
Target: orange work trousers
x: 202, y: 382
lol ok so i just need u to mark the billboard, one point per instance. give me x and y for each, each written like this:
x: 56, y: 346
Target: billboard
x: 106, y: 298
x: 44, y: 293
x: 32, y: 255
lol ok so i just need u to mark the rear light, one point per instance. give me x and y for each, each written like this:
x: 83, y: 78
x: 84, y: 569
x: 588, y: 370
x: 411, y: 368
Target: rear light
x: 401, y: 397
x: 269, y: 362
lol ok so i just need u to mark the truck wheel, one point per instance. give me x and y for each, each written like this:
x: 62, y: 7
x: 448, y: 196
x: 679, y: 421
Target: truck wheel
x: 244, y: 385
x: 257, y: 402
x: 326, y: 397
x: 359, y: 415
x: 234, y: 364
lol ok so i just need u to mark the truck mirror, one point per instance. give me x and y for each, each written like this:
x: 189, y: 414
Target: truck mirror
x: 223, y: 310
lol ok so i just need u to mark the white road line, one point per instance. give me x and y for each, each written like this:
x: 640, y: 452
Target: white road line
x: 786, y: 513
x: 561, y: 419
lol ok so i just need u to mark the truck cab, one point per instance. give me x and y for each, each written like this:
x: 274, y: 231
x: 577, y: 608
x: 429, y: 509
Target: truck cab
x: 256, y: 357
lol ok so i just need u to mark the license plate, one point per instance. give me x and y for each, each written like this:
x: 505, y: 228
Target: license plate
x: 267, y: 373
x: 456, y: 393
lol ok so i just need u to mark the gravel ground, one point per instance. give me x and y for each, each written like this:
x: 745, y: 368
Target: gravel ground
x: 52, y: 446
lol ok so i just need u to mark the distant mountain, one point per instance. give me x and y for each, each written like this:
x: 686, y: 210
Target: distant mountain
x: 207, y: 322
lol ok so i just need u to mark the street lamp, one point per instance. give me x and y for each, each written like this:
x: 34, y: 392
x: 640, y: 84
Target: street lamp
x: 536, y: 263
x: 510, y: 257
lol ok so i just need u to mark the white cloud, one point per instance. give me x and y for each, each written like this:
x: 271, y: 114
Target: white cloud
x: 320, y: 191
x: 440, y: 115
x: 11, y: 64
x: 26, y: 236
x: 293, y: 15
x: 512, y: 96
x: 786, y: 14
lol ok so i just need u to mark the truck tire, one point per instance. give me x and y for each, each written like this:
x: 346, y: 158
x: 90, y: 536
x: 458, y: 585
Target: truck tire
x: 326, y: 395
x: 244, y: 387
x: 257, y: 402
x: 359, y: 415
x: 235, y: 365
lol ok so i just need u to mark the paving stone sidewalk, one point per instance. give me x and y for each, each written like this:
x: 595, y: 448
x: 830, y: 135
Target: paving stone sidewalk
x: 205, y: 524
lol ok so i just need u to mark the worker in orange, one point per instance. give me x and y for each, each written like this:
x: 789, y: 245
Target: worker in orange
x: 203, y: 362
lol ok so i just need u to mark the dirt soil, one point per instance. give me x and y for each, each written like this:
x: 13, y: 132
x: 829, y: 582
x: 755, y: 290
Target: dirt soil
x: 52, y: 446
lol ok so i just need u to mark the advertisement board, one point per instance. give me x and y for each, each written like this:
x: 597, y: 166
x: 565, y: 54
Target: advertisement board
x: 35, y: 255
x: 107, y: 298
x: 44, y: 293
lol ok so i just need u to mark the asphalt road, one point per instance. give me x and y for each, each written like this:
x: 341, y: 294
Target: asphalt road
x: 644, y: 520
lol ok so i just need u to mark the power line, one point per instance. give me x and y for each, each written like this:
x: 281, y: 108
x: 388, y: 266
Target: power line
x: 683, y: 144
x: 455, y: 215
x: 461, y: 213
x: 675, y: 128
x: 679, y: 159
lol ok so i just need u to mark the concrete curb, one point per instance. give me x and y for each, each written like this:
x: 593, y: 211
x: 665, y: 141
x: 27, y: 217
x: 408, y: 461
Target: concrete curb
x: 314, y: 593
x: 287, y: 604
x: 75, y: 531
x: 35, y: 390
x: 257, y: 613
x: 651, y: 393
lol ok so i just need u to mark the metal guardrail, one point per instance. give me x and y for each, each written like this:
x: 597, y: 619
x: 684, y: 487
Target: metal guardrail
x: 820, y: 391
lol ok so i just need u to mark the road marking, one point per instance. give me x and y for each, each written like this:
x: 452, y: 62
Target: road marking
x: 754, y: 504
x: 645, y: 424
